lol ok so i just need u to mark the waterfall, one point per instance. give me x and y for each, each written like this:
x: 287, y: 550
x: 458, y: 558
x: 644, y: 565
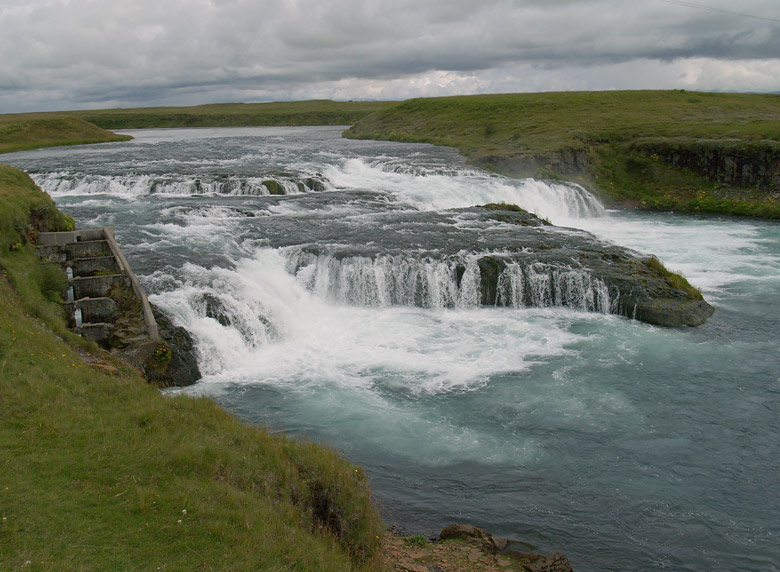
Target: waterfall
x: 466, y: 281
x: 435, y: 188
x: 136, y: 186
x: 386, y: 280
x: 539, y: 285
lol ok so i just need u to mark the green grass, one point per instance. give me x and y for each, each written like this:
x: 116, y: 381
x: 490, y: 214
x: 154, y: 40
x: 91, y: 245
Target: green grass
x: 675, y: 280
x: 100, y: 471
x: 316, y: 112
x: 33, y: 131
x: 600, y: 139
x: 20, y: 132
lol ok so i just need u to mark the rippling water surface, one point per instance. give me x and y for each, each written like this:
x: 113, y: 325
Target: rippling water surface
x: 626, y: 446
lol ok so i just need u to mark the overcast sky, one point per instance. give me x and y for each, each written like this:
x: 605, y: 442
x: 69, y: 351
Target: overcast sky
x: 82, y: 54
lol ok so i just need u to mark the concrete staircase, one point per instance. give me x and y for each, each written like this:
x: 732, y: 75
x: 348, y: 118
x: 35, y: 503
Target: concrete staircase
x: 104, y: 300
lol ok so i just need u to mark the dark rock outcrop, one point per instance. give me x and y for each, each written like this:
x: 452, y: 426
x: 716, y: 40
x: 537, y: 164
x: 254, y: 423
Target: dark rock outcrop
x: 555, y: 562
x: 314, y: 184
x: 463, y: 531
x: 274, y: 188
x: 524, y: 262
x: 567, y: 161
x: 730, y: 162
x: 174, y: 361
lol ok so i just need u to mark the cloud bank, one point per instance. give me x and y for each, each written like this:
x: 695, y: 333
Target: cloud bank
x: 78, y: 54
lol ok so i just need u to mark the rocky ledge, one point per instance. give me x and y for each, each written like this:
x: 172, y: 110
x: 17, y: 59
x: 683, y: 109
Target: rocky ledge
x: 494, y: 255
x: 466, y: 548
x: 639, y: 287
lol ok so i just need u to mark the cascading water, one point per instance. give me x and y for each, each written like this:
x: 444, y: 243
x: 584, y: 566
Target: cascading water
x: 541, y: 286
x: 455, y: 283
x: 435, y: 188
x: 474, y: 383
x: 138, y: 186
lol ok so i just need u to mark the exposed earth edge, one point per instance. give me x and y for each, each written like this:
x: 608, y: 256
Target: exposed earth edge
x: 465, y: 548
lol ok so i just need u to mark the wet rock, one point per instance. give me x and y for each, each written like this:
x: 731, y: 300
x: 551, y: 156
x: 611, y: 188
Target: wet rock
x: 314, y: 184
x: 522, y: 262
x: 463, y: 531
x: 455, y: 531
x: 555, y: 562
x: 177, y: 365
x: 214, y: 309
x: 274, y: 187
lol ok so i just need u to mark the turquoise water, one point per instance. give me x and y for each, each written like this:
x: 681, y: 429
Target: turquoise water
x: 626, y: 446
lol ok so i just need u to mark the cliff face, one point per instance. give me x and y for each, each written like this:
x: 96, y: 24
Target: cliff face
x: 564, y: 162
x: 732, y: 163
x: 729, y: 162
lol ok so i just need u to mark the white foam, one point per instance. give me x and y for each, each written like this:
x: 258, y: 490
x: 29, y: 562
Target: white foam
x: 280, y: 333
x: 710, y: 252
x: 557, y: 202
x: 136, y: 186
x: 452, y: 283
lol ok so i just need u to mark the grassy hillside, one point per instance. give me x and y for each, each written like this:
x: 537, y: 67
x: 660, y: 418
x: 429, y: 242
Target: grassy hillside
x: 601, y: 139
x: 99, y: 471
x: 19, y: 132
x: 22, y: 132
x: 318, y: 112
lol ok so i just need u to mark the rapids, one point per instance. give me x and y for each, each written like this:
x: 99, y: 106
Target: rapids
x: 544, y: 418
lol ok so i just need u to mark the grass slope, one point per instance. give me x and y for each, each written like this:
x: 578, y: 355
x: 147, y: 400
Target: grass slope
x: 597, y: 138
x: 23, y: 132
x: 99, y: 471
x: 317, y: 112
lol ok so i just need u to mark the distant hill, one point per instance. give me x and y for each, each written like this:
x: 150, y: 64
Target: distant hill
x: 32, y: 131
x: 315, y: 112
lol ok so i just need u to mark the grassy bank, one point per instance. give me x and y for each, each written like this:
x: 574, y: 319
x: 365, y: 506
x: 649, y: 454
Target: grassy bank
x: 286, y: 113
x: 32, y: 131
x: 20, y: 132
x: 99, y: 471
x: 651, y: 149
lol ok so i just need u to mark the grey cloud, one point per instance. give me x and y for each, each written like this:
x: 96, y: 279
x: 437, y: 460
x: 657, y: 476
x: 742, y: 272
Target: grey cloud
x: 94, y: 52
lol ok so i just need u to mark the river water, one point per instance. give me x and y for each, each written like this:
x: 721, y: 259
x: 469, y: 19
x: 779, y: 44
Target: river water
x: 626, y: 446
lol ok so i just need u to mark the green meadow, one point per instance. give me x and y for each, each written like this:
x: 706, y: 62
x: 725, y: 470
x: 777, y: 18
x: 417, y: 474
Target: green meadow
x: 33, y: 131
x: 289, y: 113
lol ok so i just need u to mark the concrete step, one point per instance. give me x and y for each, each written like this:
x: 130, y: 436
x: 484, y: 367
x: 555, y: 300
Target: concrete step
x: 51, y: 253
x: 86, y: 267
x: 74, y: 250
x: 88, y: 249
x: 97, y: 286
x: 93, y: 310
x: 60, y: 238
x: 98, y: 333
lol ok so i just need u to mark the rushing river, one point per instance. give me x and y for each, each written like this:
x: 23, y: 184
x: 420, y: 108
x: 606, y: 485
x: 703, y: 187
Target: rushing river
x: 626, y: 446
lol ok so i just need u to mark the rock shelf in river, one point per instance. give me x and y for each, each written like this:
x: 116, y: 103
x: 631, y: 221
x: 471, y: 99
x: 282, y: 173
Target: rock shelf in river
x: 522, y: 262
